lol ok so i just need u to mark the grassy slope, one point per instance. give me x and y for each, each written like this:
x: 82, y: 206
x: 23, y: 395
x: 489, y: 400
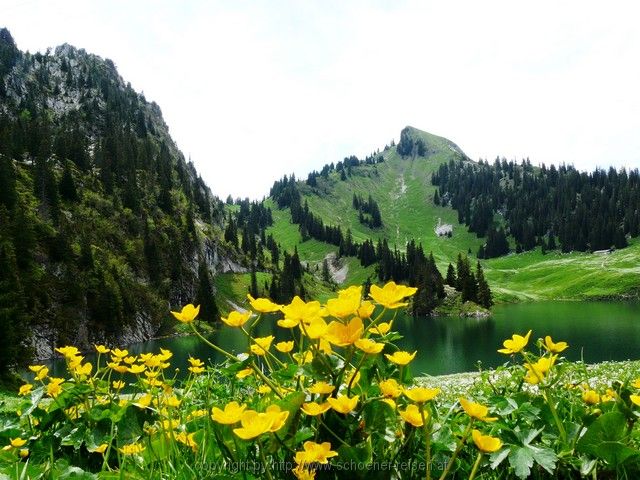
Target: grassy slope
x: 402, y: 187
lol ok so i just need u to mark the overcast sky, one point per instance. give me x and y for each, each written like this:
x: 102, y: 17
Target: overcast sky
x: 253, y: 90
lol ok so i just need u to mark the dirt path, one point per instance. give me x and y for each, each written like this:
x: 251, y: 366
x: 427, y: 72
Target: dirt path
x: 338, y: 272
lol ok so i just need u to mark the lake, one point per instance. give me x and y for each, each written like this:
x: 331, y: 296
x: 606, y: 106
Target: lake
x: 595, y: 331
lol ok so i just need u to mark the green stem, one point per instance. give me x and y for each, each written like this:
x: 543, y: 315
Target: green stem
x: 458, y: 449
x: 264, y: 461
x: 353, y: 377
x: 324, y: 425
x: 264, y: 378
x: 427, y: 439
x: 475, y: 466
x: 549, y: 400
x: 215, y: 347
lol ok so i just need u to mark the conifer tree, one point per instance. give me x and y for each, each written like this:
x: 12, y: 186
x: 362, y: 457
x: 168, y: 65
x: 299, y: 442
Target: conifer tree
x: 484, y: 296
x: 204, y: 295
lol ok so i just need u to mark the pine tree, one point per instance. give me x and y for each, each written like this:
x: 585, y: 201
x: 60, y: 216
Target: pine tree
x: 67, y: 185
x: 253, y: 289
x: 204, y: 295
x: 326, y: 274
x: 451, y: 276
x: 484, y: 295
x: 8, y: 195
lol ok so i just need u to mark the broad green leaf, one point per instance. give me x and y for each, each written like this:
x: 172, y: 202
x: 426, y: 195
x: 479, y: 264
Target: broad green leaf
x: 521, y: 460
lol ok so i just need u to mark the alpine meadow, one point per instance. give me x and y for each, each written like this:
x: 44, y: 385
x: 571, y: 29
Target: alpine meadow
x: 409, y: 313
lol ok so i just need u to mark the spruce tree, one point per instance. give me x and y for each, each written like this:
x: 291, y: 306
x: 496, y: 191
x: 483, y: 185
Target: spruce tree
x: 484, y: 295
x: 451, y: 276
x: 204, y: 296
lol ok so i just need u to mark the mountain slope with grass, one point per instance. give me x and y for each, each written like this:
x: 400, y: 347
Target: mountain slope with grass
x: 399, y: 179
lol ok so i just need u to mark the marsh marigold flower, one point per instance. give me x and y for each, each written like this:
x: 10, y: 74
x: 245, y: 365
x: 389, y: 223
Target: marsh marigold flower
x: 391, y: 295
x: 343, y: 404
x: 231, y: 414
x: 263, y: 305
x: 15, y: 443
x: 236, y: 319
x: 412, y: 415
x: 132, y: 449
x: 366, y: 309
x: 298, y: 310
x: 313, y: 409
x: 343, y: 335
x: 315, y: 453
x: 476, y: 410
x: 188, y: 313
x: 635, y: 399
x: 102, y: 349
x: 421, y: 394
x: 486, y: 443
x: 369, y: 346
x: 346, y: 304
x: 284, y: 347
x: 554, y: 347
x: 321, y: 388
x: 25, y: 389
x: 401, y: 357
x: 591, y: 397
x: 515, y: 344
x: 261, y: 345
x: 390, y: 388
x: 382, y: 328
x: 53, y: 387
x: 537, y: 371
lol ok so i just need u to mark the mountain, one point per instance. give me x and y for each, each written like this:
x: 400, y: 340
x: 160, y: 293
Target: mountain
x: 103, y: 224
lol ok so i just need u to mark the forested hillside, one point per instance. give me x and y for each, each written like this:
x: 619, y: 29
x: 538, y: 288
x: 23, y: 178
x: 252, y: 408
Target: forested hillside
x: 103, y: 224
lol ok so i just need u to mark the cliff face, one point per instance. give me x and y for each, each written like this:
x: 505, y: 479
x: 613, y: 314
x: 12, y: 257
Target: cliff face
x: 103, y: 224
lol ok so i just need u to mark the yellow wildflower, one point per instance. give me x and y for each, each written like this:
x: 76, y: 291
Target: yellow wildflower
x: 36, y: 368
x: 343, y: 404
x: 554, y: 347
x: 391, y: 295
x: 245, y: 372
x: 68, y: 351
x: 421, y: 394
x: 401, y: 357
x: 342, y: 335
x: 366, y: 309
x: 284, y: 347
x: 83, y: 369
x: 137, y: 369
x: 382, y: 328
x: 412, y: 415
x: 102, y: 349
x: 302, y: 473
x: 278, y: 415
x: 118, y: 384
x: 25, y: 389
x: 321, y: 388
x: 254, y: 424
x: 144, y: 401
x: 231, y: 414
x: 515, y: 344
x: 261, y: 345
x: 264, y: 389
x: 132, y: 449
x: 316, y: 328
x: 119, y: 354
x: 486, y: 443
x: 635, y: 399
x: 390, y: 388
x: 188, y: 313
x: 312, y: 408
x: 263, y: 305
x: 42, y: 373
x: 537, y: 371
x: 591, y: 397
x: 315, y: 453
x: 100, y: 448
x: 299, y: 310
x: 187, y: 439
x: 346, y: 304
x: 369, y: 346
x: 476, y: 410
x: 236, y: 319
x: 53, y: 387
x: 15, y: 443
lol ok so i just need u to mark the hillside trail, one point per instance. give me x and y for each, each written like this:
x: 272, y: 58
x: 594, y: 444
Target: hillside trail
x: 338, y: 272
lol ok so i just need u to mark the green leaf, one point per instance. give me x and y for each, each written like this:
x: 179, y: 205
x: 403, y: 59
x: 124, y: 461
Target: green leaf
x: 601, y: 439
x: 521, y: 460
x: 545, y: 457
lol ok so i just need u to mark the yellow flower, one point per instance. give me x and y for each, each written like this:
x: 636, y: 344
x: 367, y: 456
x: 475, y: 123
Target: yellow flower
x: 137, y: 369
x: 284, y: 347
x: 36, y: 368
x: 172, y: 401
x: 263, y: 305
x: 245, y: 372
x: 306, y: 357
x: 390, y: 402
x: 68, y: 351
x: 53, y: 387
x: 537, y: 371
x: 254, y: 424
x: 366, y: 309
x: 102, y: 349
x: 312, y: 408
x: 188, y: 313
x: 236, y: 319
x: 231, y: 414
x: 302, y: 473
x: 132, y: 449
x: 401, y: 357
x: 635, y: 399
x: 609, y: 395
x: 346, y: 304
x: 390, y: 388
x: 165, y: 354
x: 144, y: 401
x: 382, y: 328
x: 515, y: 344
x: 15, y: 443
x: 421, y: 394
x: 298, y: 310
x: 195, y: 362
x: 486, y: 443
x: 342, y: 335
x: 170, y: 424
x: 130, y: 360
x: 119, y: 354
x: 118, y: 384
x: 118, y: 367
x: 343, y: 404
x: 25, y: 389
x: 476, y: 410
x: 187, y: 439
x: 100, y: 448
x: 554, y: 347
x: 369, y: 346
x: 315, y: 453
x: 391, y: 295
x: 591, y: 397
x: 350, y: 379
x: 279, y: 417
x: 412, y: 415
x: 261, y: 345
x: 264, y: 389
x: 42, y: 373
x: 324, y: 346
x: 316, y: 328
x: 636, y: 383
x: 321, y: 388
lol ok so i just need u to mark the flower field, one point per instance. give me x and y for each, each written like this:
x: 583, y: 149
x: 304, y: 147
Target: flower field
x: 335, y: 400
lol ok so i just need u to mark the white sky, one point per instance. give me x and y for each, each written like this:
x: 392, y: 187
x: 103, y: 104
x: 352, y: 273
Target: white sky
x: 254, y: 90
